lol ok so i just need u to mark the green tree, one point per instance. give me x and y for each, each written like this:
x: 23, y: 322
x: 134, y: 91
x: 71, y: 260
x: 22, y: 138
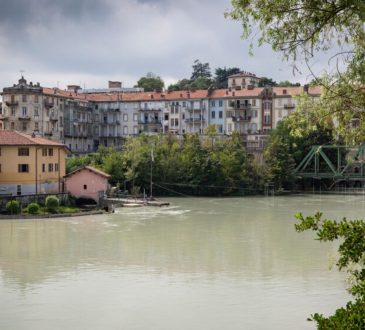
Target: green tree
x: 200, y: 70
x: 287, y: 83
x: 151, y: 83
x: 264, y: 81
x: 300, y: 29
x: 351, y: 251
x: 222, y: 74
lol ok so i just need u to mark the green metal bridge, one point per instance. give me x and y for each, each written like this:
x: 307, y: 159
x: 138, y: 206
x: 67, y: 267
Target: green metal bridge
x: 337, y: 162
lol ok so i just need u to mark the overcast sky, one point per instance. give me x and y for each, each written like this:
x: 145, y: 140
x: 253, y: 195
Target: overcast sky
x: 88, y: 42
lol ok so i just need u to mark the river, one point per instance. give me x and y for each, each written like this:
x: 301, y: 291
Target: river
x: 201, y: 263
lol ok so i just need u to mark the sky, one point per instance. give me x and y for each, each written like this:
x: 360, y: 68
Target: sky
x: 88, y: 42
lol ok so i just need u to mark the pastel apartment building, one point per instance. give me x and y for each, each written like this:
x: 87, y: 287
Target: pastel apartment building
x: 85, y: 119
x: 30, y: 164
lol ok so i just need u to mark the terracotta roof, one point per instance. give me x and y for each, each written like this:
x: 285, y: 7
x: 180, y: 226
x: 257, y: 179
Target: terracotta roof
x: 62, y: 93
x: 90, y: 168
x: 15, y: 138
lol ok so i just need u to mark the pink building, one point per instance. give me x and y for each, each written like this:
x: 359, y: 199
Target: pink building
x: 87, y: 182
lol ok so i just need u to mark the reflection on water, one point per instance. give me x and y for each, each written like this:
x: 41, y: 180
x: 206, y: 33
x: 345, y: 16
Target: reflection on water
x: 199, y: 264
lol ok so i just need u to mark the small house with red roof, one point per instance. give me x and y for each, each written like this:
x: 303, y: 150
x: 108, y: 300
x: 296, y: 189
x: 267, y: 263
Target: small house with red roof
x: 87, y: 182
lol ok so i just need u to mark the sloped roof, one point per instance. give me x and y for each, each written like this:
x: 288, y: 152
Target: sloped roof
x: 15, y: 138
x: 89, y: 168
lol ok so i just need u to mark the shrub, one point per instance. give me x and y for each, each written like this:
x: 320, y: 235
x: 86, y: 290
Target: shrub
x: 52, y: 203
x: 33, y: 208
x: 13, y: 207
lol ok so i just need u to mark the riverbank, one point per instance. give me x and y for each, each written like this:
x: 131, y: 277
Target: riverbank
x: 49, y: 215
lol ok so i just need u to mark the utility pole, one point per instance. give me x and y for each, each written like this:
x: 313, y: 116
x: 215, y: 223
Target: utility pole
x: 152, y: 160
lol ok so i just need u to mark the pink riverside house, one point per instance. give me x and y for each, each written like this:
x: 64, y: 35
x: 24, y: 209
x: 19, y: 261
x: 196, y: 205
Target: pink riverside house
x: 87, y: 182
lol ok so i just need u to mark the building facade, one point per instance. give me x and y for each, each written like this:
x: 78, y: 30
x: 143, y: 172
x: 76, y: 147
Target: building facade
x: 84, y: 120
x: 30, y: 165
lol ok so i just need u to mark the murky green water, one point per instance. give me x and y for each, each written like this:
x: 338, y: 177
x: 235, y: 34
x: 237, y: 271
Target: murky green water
x: 200, y: 264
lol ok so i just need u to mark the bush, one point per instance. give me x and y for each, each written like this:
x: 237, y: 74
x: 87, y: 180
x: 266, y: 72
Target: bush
x: 33, y: 208
x: 52, y: 203
x: 13, y: 207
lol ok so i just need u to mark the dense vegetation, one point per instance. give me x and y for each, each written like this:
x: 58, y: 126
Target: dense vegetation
x: 188, y: 165
x: 299, y: 30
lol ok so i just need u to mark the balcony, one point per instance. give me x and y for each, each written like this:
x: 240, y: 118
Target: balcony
x: 53, y: 116
x: 241, y: 118
x: 190, y: 109
x: 152, y: 110
x: 239, y: 106
x: 194, y: 120
x: 289, y: 106
x: 11, y: 103
x: 48, y: 133
x: 24, y: 117
x: 48, y: 104
x: 150, y: 122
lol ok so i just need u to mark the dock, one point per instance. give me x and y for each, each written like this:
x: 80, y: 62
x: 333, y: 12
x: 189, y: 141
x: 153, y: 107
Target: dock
x: 110, y: 203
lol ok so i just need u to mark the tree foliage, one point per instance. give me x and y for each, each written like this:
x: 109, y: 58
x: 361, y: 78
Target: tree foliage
x: 200, y: 70
x: 351, y: 234
x: 299, y: 29
x: 222, y: 74
x: 151, y: 83
x: 192, y: 165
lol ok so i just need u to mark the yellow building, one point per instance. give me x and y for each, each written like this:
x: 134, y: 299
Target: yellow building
x: 30, y: 164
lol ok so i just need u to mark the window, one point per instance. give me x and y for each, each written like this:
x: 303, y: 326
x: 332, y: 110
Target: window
x: 36, y: 111
x: 172, y: 121
x: 85, y: 186
x: 24, y: 111
x: 176, y: 122
x: 135, y: 117
x: 125, y: 130
x: 12, y: 111
x: 229, y: 128
x: 43, y: 168
x: 24, y: 98
x: 267, y: 119
x: 23, y: 151
x: 166, y: 116
x: 50, y: 152
x: 213, y: 103
x: 44, y: 152
x: 36, y: 98
x: 50, y: 167
x: 12, y: 125
x: 220, y: 114
x: 24, y: 126
x: 56, y: 167
x: 125, y: 117
x: 184, y: 104
x: 220, y: 103
x: 213, y: 114
x: 254, y: 103
x: 23, y: 168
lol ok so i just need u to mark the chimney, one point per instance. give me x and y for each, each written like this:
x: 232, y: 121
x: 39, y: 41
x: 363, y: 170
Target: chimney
x: 114, y: 84
x: 73, y: 88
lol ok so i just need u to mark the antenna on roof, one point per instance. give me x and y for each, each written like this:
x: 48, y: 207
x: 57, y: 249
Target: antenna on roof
x: 21, y: 72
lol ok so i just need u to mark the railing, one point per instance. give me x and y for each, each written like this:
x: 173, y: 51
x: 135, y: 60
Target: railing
x: 150, y: 122
x: 194, y: 120
x: 11, y: 103
x: 289, y: 106
x: 48, y: 104
x: 24, y: 117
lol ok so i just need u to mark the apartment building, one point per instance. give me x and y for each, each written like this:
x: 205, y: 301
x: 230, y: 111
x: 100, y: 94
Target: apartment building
x: 85, y: 119
x: 30, y: 164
